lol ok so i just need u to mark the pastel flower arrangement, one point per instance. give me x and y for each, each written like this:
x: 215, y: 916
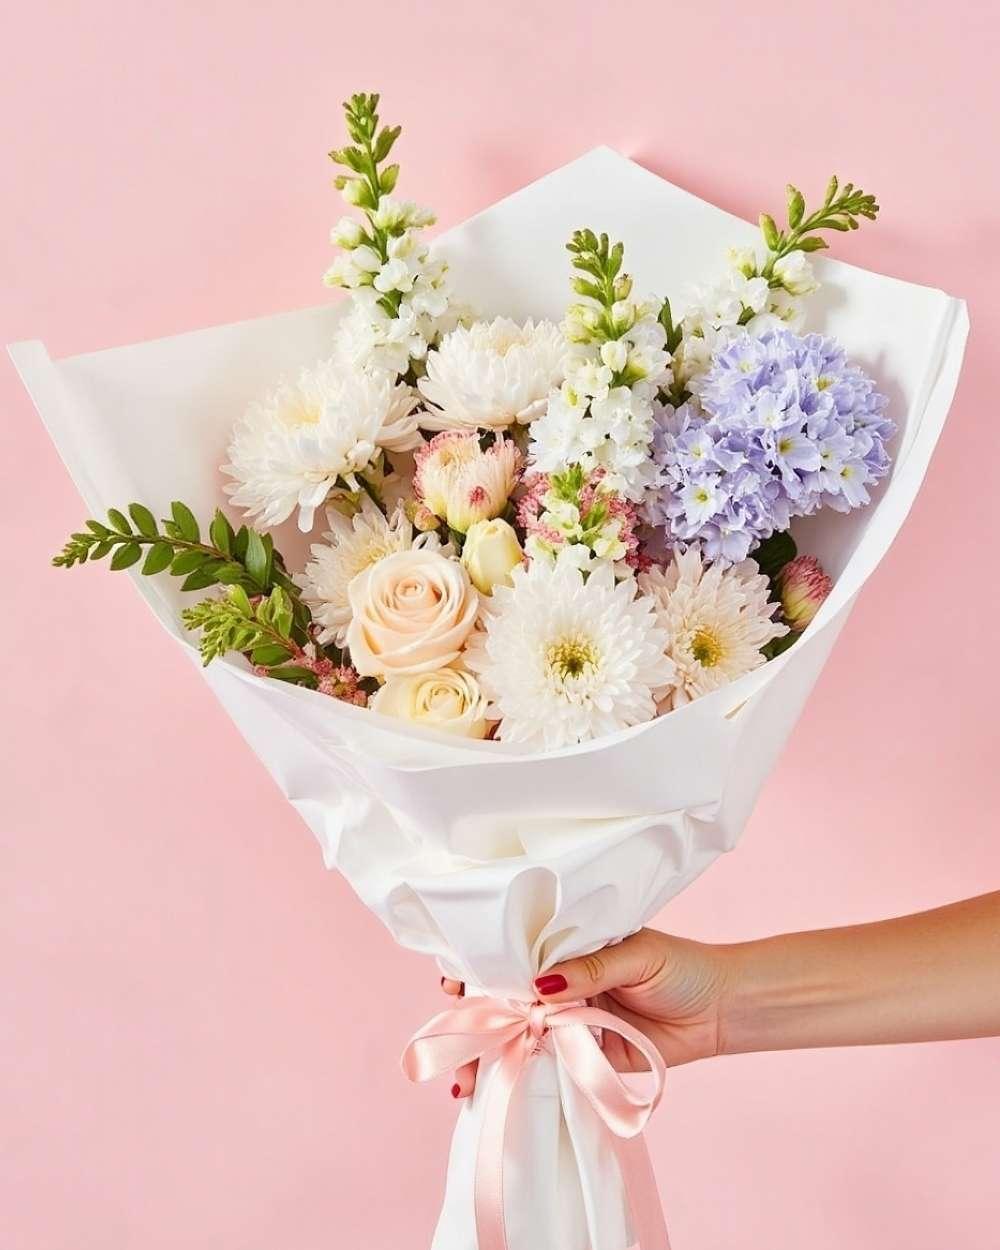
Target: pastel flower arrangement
x: 534, y: 533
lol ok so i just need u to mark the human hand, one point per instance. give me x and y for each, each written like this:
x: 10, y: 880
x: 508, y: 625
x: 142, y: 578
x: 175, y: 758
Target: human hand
x: 669, y: 988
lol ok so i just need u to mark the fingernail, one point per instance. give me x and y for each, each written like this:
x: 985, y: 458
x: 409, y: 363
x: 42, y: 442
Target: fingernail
x: 552, y: 983
x: 442, y: 982
x: 456, y: 1090
x: 461, y: 990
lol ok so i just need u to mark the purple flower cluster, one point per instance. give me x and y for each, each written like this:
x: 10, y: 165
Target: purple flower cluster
x: 781, y: 425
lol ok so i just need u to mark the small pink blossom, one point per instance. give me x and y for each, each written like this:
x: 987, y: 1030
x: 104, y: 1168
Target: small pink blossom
x: 802, y: 586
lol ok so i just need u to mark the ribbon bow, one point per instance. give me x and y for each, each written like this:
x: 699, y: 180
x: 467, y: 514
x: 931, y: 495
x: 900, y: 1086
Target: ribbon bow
x: 477, y: 1027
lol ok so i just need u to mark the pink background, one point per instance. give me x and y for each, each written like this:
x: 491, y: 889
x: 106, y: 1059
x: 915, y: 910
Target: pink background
x: 199, y: 1026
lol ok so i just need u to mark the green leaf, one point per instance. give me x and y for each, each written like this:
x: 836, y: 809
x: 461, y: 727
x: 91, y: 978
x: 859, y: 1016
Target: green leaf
x: 97, y: 528
x: 144, y: 520
x: 200, y: 578
x: 188, y: 561
x: 240, y: 543
x: 294, y: 673
x: 221, y: 532
x: 777, y: 645
x: 185, y: 521
x: 256, y: 559
x: 239, y: 598
x: 230, y: 573
x: 158, y: 558
x: 118, y: 521
x: 101, y: 549
x: 774, y: 553
x: 126, y: 555
x: 269, y: 653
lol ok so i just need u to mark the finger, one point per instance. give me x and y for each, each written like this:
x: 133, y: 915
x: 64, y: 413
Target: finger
x: 465, y: 1080
x: 628, y: 963
x: 455, y: 988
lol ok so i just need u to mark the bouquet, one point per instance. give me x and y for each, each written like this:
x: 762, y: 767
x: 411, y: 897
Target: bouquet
x: 576, y: 555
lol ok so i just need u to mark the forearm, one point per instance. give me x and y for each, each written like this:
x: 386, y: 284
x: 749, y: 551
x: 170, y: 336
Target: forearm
x: 928, y: 977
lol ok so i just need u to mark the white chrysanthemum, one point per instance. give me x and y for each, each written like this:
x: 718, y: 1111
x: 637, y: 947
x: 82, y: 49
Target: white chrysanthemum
x: 565, y: 658
x: 492, y: 374
x: 716, y: 619
x: 351, y: 545
x: 291, y: 449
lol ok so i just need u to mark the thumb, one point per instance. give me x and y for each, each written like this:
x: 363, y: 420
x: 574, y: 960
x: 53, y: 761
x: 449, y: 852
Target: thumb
x: 627, y: 963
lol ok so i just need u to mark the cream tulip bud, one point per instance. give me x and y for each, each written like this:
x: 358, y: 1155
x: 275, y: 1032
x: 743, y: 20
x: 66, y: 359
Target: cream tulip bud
x: 490, y: 554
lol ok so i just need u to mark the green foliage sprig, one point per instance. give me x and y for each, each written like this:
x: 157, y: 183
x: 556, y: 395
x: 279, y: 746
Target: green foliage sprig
x: 261, y: 629
x: 230, y: 557
x: 841, y: 209
x: 262, y: 615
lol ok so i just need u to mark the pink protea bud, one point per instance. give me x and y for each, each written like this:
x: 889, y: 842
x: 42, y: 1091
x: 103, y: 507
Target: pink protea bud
x: 803, y: 586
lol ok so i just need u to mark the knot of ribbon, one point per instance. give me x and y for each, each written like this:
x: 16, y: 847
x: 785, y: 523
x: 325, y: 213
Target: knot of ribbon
x: 514, y: 1032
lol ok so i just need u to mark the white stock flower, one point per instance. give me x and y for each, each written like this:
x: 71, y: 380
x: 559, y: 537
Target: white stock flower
x: 351, y: 545
x: 795, y: 273
x: 309, y: 436
x: 716, y: 619
x: 564, y: 658
x: 399, y: 215
x: 446, y: 699
x: 492, y: 374
x: 614, y: 433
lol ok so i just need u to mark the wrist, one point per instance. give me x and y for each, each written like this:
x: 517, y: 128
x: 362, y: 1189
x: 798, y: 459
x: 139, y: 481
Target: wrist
x: 777, y: 998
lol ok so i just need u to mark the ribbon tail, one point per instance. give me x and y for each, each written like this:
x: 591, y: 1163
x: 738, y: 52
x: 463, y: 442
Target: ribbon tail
x: 648, y: 1223
x: 491, y: 1220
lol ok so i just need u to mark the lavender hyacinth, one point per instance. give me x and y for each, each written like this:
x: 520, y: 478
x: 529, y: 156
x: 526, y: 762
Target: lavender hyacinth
x: 781, y: 425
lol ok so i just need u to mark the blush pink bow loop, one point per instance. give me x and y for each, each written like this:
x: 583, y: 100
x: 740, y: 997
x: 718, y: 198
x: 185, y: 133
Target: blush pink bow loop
x: 467, y: 1031
x: 480, y: 1027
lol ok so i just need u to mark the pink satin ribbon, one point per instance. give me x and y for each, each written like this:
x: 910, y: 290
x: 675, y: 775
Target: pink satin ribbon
x: 478, y: 1027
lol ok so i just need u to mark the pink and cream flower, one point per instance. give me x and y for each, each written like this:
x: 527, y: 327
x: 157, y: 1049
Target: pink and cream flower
x: 802, y: 587
x: 459, y: 482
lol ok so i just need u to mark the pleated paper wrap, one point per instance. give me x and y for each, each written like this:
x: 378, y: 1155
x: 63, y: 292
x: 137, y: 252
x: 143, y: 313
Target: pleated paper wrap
x: 501, y: 865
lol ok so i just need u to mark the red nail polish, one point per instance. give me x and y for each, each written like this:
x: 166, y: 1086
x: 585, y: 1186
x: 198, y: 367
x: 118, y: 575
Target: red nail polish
x: 552, y: 983
x: 461, y: 990
x: 456, y: 1090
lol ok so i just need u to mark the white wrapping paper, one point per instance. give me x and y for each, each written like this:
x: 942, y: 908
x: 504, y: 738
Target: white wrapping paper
x: 496, y: 864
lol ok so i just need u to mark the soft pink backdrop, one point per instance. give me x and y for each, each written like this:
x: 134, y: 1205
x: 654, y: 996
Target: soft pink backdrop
x: 199, y: 1026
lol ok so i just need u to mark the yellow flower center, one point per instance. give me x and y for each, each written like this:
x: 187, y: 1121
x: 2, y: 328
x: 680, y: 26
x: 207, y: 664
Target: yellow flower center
x: 706, y: 648
x: 302, y: 411
x: 503, y: 342
x: 822, y: 383
x: 572, y: 657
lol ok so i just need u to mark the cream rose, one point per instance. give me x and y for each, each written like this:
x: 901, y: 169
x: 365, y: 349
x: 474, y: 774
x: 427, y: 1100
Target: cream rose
x: 445, y: 698
x: 410, y: 613
x: 491, y: 553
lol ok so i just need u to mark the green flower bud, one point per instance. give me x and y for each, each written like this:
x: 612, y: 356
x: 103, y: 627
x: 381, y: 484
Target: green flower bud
x: 770, y: 231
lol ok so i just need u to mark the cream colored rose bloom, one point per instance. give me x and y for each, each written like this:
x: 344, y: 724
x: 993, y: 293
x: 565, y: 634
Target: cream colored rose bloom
x: 445, y: 698
x: 410, y: 613
x: 491, y: 553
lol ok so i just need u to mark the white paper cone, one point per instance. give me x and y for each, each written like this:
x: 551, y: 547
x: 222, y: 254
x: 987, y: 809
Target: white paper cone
x: 497, y: 864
